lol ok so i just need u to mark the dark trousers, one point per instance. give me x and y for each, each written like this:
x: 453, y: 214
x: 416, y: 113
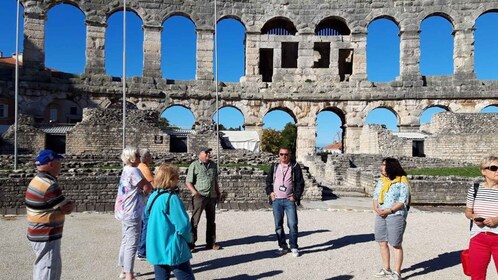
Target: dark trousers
x: 199, y: 204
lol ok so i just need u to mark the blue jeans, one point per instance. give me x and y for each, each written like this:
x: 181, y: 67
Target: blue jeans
x: 182, y: 271
x: 143, y: 236
x: 281, y: 206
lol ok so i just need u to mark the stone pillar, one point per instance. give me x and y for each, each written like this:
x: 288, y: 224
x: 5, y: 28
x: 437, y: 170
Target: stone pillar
x: 409, y: 56
x: 305, y: 142
x: 34, y: 42
x: 205, y: 48
x: 152, y: 51
x: 463, y: 54
x: 352, y: 139
x: 95, y: 47
x: 305, y: 52
x: 359, y: 40
x: 255, y: 127
x: 252, y: 58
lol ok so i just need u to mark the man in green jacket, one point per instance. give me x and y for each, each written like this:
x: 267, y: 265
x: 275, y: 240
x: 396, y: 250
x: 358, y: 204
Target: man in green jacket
x: 202, y: 181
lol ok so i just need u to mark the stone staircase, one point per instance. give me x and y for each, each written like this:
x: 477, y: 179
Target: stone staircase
x: 332, y: 190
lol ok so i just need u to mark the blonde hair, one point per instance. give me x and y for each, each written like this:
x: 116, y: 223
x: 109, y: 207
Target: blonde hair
x: 486, y: 161
x: 166, y: 176
x: 129, y: 155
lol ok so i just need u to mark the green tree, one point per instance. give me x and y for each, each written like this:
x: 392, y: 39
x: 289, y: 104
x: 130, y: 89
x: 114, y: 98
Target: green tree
x: 271, y: 140
x: 163, y: 124
x: 289, y: 136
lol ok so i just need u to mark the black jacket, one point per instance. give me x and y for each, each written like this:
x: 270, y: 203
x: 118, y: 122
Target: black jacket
x: 297, y: 180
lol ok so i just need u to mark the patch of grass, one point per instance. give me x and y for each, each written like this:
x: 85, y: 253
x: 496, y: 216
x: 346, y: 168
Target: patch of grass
x: 465, y: 171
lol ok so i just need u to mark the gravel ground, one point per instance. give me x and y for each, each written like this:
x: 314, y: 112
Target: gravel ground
x: 335, y: 244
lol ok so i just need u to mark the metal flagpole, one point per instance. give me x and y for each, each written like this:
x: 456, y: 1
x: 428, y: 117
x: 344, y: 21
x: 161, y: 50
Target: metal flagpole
x: 216, y: 87
x: 16, y: 84
x: 124, y: 74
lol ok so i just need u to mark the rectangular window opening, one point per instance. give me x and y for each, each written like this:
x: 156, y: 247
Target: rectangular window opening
x: 321, y: 55
x: 266, y: 64
x: 289, y: 54
x: 345, y: 64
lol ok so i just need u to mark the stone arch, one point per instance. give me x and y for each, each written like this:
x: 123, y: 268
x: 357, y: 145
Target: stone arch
x: 485, y: 49
x: 279, y: 26
x: 231, y: 107
x: 437, y: 58
x: 57, y: 34
x: 442, y: 107
x: 284, y: 109
x: 342, y: 118
x: 184, y: 109
x: 382, y: 14
x: 383, y: 52
x: 484, y: 105
x: 120, y: 9
x: 384, y: 107
x: 234, y: 17
x: 482, y: 10
x: 337, y: 25
x: 440, y: 14
x: 177, y: 13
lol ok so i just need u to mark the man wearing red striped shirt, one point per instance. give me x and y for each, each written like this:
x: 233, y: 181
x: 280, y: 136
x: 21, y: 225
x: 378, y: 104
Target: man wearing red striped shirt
x: 46, y: 208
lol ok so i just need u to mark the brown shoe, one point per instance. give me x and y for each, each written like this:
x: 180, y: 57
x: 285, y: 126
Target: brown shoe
x: 214, y: 247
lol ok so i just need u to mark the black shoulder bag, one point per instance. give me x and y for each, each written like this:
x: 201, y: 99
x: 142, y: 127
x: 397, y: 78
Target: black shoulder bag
x: 476, y: 187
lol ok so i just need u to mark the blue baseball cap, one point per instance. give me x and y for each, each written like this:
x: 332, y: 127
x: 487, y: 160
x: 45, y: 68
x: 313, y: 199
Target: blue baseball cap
x: 46, y: 156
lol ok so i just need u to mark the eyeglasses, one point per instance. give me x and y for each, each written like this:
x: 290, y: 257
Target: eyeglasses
x: 282, y: 154
x: 493, y: 168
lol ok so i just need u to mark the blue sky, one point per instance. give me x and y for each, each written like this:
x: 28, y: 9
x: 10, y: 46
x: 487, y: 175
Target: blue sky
x: 65, y: 51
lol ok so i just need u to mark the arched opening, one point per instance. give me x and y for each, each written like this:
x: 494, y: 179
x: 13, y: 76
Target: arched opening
x: 279, y: 129
x: 279, y: 26
x: 8, y: 10
x: 177, y: 121
x: 178, y: 49
x: 329, y: 131
x: 428, y: 113
x: 436, y: 46
x: 382, y: 50
x: 65, y: 39
x: 486, y: 46
x: 385, y: 117
x: 114, y: 45
x: 332, y: 27
x: 230, y: 118
x: 231, y: 50
x: 491, y: 109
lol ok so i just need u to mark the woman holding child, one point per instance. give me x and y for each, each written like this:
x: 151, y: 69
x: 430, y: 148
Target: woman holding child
x: 482, y: 209
x: 390, y: 200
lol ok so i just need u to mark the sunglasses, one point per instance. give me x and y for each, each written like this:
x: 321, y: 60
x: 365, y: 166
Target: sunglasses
x: 493, y: 168
x: 282, y: 154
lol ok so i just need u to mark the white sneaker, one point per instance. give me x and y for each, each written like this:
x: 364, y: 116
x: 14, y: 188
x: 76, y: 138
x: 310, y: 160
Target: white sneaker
x: 396, y: 276
x: 383, y: 273
x: 122, y: 275
x: 295, y: 252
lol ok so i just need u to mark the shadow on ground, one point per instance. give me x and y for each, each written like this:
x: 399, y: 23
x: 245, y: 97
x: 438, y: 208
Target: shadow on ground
x: 338, y: 243
x: 245, y: 258
x: 440, y: 262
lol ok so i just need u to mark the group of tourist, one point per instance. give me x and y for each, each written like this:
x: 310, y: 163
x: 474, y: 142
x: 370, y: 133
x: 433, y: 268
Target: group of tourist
x: 160, y: 230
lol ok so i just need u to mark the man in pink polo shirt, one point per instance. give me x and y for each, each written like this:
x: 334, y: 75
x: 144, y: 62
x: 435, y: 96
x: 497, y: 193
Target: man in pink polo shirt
x: 285, y: 186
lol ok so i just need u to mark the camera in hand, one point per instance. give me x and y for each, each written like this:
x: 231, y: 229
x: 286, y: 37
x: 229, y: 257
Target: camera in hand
x: 479, y: 219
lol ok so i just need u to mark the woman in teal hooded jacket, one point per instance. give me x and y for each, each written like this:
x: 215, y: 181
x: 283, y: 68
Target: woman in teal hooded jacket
x: 168, y: 229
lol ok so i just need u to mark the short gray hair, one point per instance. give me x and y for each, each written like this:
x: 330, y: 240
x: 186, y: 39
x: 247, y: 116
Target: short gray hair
x: 144, y: 153
x: 129, y: 155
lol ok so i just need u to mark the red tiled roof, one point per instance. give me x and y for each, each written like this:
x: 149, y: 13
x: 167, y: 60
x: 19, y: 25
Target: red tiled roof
x: 10, y: 61
x: 337, y: 145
